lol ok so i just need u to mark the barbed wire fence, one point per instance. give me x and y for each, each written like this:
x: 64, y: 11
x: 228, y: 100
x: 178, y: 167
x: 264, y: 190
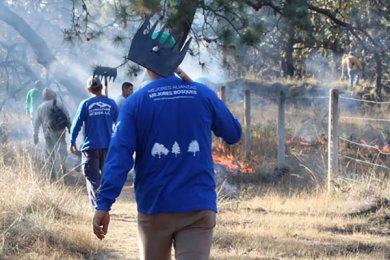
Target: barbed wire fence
x: 381, y: 147
x: 335, y: 137
x: 335, y: 118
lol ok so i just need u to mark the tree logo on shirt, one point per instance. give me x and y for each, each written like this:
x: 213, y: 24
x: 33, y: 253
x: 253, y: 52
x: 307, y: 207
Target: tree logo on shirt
x: 159, y: 149
x: 176, y: 149
x: 193, y: 147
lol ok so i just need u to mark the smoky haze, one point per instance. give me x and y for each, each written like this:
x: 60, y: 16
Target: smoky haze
x: 76, y: 56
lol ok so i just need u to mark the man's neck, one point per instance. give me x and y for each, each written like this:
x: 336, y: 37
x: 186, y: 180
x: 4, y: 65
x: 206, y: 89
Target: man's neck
x: 99, y: 94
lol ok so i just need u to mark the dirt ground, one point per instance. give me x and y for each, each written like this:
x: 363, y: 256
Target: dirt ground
x: 121, y: 239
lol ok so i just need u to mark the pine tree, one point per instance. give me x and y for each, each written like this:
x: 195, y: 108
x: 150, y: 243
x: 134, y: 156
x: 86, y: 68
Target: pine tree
x: 193, y: 147
x: 176, y: 149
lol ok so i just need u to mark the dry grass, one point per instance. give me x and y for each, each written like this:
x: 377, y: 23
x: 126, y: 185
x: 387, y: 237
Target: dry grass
x: 304, y: 226
x: 285, y: 215
x: 40, y: 219
x: 290, y: 215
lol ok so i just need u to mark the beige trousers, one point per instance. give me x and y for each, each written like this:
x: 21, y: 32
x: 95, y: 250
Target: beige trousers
x: 190, y: 233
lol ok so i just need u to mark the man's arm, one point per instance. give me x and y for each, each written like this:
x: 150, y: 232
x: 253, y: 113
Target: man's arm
x: 119, y: 160
x: 115, y: 108
x: 76, y: 127
x: 66, y: 112
x: 225, y: 124
x: 36, y: 125
x: 28, y: 101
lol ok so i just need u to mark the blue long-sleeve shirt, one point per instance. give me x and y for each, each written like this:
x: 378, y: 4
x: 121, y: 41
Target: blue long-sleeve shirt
x: 169, y: 124
x: 98, y: 115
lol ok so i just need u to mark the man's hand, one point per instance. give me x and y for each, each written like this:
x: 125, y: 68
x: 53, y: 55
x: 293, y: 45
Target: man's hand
x: 100, y: 223
x: 182, y: 74
x: 73, y: 148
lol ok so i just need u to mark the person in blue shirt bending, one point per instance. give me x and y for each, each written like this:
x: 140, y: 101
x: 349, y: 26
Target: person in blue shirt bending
x: 98, y: 115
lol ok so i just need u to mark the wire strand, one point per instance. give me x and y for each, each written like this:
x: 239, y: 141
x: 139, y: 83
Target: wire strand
x: 361, y: 161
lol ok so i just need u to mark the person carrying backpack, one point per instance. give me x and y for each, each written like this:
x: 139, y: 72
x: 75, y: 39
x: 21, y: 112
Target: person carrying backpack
x: 54, y: 119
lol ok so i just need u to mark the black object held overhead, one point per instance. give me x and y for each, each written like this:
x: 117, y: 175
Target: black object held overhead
x: 106, y: 73
x: 155, y: 55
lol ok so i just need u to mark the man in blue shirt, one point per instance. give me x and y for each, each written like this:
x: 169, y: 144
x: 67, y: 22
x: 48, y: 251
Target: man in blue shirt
x: 169, y: 124
x: 98, y: 115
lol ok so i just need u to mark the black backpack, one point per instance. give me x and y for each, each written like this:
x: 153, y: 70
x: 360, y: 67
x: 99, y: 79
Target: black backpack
x: 58, y: 121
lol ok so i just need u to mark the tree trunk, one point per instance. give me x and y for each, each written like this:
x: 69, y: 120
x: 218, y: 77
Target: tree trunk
x: 288, y: 61
x: 181, y: 20
x: 378, y: 70
x: 55, y: 69
x: 44, y: 55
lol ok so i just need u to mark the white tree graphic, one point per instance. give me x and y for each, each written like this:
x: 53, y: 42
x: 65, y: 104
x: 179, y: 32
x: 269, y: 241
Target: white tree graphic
x: 193, y: 147
x: 175, y: 149
x: 159, y: 149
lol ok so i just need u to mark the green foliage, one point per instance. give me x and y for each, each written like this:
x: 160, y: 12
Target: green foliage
x: 147, y: 7
x: 118, y: 40
x: 296, y: 13
x: 253, y: 35
x: 133, y: 70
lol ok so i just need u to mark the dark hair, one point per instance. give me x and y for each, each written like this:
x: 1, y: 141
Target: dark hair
x: 126, y: 85
x: 95, y: 84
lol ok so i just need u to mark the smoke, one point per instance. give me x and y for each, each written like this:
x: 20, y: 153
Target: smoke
x: 322, y: 68
x: 211, y: 71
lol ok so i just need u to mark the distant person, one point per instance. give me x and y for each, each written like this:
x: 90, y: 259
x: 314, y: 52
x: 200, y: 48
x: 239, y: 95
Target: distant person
x: 54, y: 119
x: 127, y: 90
x: 354, y: 68
x: 98, y: 115
x: 34, y: 99
x: 169, y: 124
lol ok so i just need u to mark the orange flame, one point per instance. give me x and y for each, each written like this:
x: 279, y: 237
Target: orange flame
x: 385, y: 149
x: 221, y: 157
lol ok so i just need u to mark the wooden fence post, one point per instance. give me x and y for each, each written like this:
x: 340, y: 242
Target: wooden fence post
x: 333, y: 135
x: 247, y: 123
x: 281, y: 131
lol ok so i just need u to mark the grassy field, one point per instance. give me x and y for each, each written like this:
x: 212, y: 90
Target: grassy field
x: 303, y: 226
x: 39, y: 218
x: 47, y: 220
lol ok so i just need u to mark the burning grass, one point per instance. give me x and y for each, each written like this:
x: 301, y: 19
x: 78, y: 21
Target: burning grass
x: 223, y: 156
x: 40, y: 219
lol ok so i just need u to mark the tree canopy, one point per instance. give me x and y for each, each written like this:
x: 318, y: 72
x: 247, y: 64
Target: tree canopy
x: 262, y: 38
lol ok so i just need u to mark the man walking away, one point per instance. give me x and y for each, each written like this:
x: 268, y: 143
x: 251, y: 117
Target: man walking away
x: 98, y: 115
x: 127, y: 90
x: 169, y: 124
x: 54, y: 119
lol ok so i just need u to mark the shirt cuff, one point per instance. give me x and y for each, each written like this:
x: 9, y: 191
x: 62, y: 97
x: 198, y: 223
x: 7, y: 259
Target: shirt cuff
x: 103, y: 205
